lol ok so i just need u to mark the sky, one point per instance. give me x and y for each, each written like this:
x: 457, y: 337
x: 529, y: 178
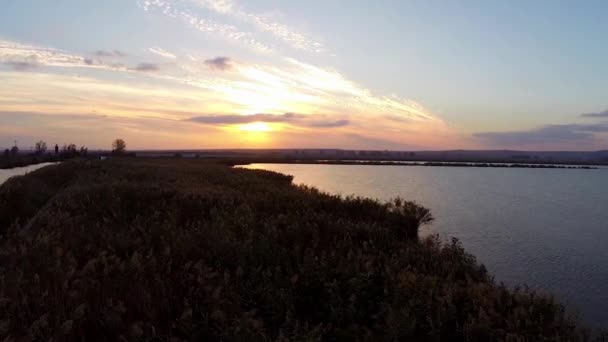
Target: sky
x: 394, y: 75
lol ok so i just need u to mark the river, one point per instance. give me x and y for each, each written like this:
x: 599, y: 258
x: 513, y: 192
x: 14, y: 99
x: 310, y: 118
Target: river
x: 5, y: 174
x: 547, y: 228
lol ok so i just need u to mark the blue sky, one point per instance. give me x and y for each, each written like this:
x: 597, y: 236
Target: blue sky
x: 349, y: 74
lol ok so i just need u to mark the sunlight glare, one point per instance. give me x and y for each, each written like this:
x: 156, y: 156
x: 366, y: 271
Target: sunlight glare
x: 256, y: 127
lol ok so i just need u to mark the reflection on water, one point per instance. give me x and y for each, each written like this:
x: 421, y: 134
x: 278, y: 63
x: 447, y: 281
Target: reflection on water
x: 544, y: 227
x: 19, y: 171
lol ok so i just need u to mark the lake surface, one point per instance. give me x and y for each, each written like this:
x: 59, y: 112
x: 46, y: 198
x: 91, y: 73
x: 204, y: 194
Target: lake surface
x: 19, y: 171
x: 547, y: 228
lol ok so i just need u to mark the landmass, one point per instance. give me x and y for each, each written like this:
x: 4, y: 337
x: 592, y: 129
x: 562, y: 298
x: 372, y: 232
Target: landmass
x: 191, y: 250
x: 461, y: 158
x: 398, y: 163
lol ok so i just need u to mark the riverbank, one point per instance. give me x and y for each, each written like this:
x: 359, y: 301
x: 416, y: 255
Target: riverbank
x: 23, y: 160
x: 191, y: 250
x: 6, y: 174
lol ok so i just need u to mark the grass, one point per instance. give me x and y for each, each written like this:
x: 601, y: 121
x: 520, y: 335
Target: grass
x: 177, y: 250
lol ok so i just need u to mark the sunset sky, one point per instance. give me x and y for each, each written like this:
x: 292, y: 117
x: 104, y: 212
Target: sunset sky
x: 409, y: 75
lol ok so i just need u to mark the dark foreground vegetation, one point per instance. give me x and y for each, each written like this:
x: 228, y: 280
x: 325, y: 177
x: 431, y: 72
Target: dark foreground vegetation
x: 9, y: 161
x: 176, y: 250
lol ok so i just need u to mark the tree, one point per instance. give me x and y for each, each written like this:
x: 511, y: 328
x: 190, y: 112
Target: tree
x: 68, y: 151
x: 14, y: 150
x: 84, y: 151
x: 119, y: 146
x: 7, y: 153
x: 40, y: 147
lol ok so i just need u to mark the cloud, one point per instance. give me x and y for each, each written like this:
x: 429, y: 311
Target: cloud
x: 25, y: 57
x: 146, y: 67
x: 115, y: 53
x: 330, y: 124
x: 284, y: 86
x: 231, y: 119
x: 162, y: 53
x: 174, y: 10
x: 22, y: 66
x: 302, y: 120
x: 70, y: 93
x: 16, y: 53
x: 603, y: 114
x: 219, y: 63
x: 16, y: 115
x: 281, y: 31
x: 546, y: 135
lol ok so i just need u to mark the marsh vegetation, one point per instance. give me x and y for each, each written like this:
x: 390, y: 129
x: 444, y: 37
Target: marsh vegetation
x: 187, y: 250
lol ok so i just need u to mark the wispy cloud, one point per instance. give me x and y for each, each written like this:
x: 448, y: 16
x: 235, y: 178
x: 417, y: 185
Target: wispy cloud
x: 24, y: 57
x: 332, y: 88
x: 254, y: 87
x: 14, y: 53
x: 281, y: 31
x: 27, y: 57
x: 161, y: 52
x: 294, y: 86
x: 323, y: 98
x: 603, y: 114
x: 175, y: 10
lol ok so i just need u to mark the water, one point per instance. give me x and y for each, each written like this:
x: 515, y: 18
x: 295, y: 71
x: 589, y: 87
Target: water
x: 5, y: 174
x: 547, y: 228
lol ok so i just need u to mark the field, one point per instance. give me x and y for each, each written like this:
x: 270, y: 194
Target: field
x: 187, y: 250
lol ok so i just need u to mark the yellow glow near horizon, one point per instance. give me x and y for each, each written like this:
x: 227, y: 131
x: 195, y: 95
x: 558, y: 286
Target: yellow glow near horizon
x: 256, y: 127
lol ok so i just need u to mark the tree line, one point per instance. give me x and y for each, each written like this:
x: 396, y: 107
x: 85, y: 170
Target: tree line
x: 41, y: 153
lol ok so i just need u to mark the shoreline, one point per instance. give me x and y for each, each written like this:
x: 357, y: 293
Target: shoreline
x: 436, y: 164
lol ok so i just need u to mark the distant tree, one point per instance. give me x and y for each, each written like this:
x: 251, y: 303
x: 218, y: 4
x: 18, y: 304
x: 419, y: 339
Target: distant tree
x: 69, y: 151
x: 56, y: 149
x: 119, y: 146
x: 40, y: 147
x: 83, y: 151
x: 7, y: 153
x: 14, y: 150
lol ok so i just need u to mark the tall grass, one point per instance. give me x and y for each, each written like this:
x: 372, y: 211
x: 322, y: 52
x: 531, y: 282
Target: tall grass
x: 190, y: 251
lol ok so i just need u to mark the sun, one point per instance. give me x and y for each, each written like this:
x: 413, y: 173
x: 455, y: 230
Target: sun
x: 256, y: 127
